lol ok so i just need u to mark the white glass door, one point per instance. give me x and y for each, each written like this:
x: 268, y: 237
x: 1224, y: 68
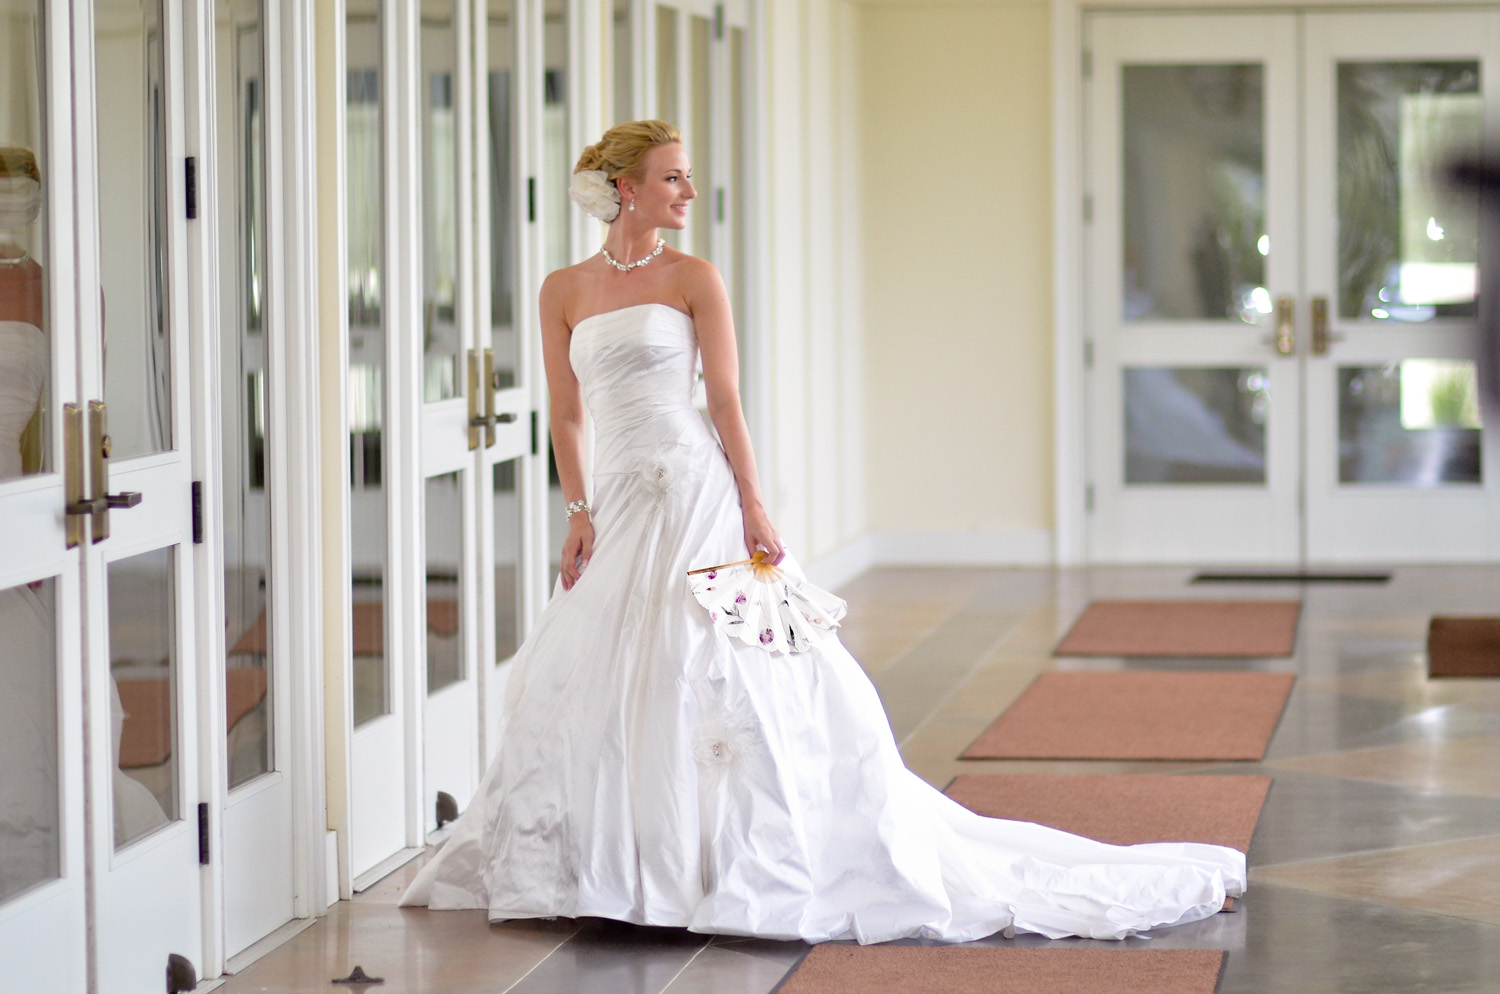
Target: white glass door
x: 43, y: 930
x: 452, y: 402
x: 1399, y: 466
x: 255, y: 768
x: 510, y: 474
x: 377, y: 695
x: 1194, y: 276
x: 142, y: 681
x: 1280, y: 351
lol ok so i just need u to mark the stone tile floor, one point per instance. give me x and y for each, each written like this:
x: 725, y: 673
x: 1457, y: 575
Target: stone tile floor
x: 1375, y: 868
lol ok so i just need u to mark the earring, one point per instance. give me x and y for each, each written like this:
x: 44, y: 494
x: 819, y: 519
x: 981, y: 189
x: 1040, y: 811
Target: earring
x: 632, y: 205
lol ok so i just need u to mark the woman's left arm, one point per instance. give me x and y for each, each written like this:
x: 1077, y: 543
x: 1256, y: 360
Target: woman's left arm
x: 714, y: 320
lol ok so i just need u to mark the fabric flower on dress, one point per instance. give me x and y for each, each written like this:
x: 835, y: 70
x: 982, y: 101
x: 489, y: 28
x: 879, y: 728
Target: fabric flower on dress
x: 724, y: 739
x: 657, y: 476
x: 592, y: 190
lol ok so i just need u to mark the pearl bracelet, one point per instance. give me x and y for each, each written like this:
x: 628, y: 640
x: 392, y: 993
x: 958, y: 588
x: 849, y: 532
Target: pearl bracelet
x: 578, y: 505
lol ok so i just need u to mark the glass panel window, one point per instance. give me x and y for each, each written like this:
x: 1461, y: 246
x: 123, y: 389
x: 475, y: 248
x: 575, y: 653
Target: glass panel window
x: 364, y: 148
x: 624, y: 58
x: 242, y: 303
x: 30, y: 844
x: 1415, y: 422
x: 440, y: 297
x: 558, y: 155
x: 131, y: 102
x: 1408, y: 242
x: 445, y: 543
x: 25, y: 335
x: 143, y: 688
x: 507, y: 502
x: 700, y: 140
x: 1195, y: 425
x: 1194, y: 193
x: 505, y: 338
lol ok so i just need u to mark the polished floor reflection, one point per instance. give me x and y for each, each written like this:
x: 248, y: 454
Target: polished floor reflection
x: 1372, y: 868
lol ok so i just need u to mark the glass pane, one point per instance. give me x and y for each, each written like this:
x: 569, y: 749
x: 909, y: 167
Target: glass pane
x: 25, y: 335
x: 445, y: 543
x: 242, y: 354
x: 736, y: 191
x: 700, y: 138
x: 558, y: 155
x: 624, y: 62
x: 30, y: 846
x: 1195, y: 425
x: 1194, y: 190
x: 666, y: 62
x: 133, y: 171
x: 1408, y: 242
x: 668, y: 105
x: 1414, y: 422
x: 364, y: 146
x: 507, y: 498
x: 504, y: 337
x: 439, y: 201
x: 143, y: 679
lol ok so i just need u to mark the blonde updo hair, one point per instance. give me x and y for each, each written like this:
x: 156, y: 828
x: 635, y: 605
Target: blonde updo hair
x: 623, y: 148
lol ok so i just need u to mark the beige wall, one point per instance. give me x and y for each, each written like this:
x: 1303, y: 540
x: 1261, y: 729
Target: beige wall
x: 955, y: 138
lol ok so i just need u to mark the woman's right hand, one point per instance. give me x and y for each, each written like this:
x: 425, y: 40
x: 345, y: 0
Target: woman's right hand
x: 577, y: 548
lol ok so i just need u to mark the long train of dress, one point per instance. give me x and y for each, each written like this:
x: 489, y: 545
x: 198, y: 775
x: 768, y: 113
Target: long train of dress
x: 608, y: 797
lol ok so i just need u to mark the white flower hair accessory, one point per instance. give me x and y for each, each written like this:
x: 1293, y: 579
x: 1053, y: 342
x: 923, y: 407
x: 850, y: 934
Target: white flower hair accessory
x: 592, y: 190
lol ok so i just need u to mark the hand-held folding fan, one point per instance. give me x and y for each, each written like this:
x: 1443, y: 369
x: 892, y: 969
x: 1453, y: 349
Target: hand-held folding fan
x: 762, y: 605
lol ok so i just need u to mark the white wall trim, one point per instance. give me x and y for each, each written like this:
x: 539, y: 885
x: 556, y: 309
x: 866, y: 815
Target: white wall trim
x: 1000, y: 549
x: 1070, y: 474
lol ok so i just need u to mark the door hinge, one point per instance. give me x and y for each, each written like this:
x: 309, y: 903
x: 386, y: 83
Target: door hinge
x: 1088, y: 498
x: 203, y: 833
x: 197, y: 512
x: 1088, y: 64
x: 718, y: 22
x: 1088, y: 353
x: 531, y: 199
x: 191, y: 177
x: 1088, y: 208
x: 536, y: 433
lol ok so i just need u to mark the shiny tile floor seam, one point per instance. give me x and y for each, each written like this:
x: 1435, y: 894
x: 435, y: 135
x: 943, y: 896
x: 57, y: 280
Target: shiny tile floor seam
x: 1373, y: 851
x: 537, y: 965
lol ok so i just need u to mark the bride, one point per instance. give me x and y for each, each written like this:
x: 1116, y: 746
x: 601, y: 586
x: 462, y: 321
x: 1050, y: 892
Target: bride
x: 653, y: 769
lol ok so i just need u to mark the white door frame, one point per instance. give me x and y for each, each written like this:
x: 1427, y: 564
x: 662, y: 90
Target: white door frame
x: 1069, y: 191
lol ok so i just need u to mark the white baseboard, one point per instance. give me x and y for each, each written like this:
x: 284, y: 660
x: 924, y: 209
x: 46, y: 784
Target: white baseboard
x: 843, y: 564
x: 1029, y: 547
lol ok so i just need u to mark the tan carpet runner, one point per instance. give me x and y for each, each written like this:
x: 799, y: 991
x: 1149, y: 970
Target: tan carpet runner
x: 1135, y: 714
x: 1463, y: 647
x: 1124, y: 809
x: 1197, y: 628
x: 846, y: 969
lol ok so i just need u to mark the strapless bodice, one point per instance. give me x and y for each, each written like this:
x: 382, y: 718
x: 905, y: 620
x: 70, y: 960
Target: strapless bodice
x: 637, y: 367
x: 23, y: 377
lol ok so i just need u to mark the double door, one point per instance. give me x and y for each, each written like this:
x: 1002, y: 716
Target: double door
x: 1282, y: 295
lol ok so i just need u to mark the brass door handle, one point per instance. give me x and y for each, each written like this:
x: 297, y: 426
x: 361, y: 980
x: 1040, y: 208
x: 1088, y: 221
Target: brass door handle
x: 1322, y: 338
x: 96, y: 505
x: 476, y: 420
x: 1285, y: 338
x: 489, y: 397
x: 507, y: 418
x: 482, y: 421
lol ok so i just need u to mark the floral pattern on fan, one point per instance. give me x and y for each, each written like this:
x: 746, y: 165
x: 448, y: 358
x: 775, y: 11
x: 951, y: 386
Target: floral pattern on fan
x: 765, y: 606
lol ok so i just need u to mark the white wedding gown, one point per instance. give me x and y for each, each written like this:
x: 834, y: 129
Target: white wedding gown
x: 606, y: 797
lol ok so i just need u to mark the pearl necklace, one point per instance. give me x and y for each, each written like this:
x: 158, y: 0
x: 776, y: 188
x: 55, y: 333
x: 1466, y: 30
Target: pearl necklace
x: 624, y: 267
